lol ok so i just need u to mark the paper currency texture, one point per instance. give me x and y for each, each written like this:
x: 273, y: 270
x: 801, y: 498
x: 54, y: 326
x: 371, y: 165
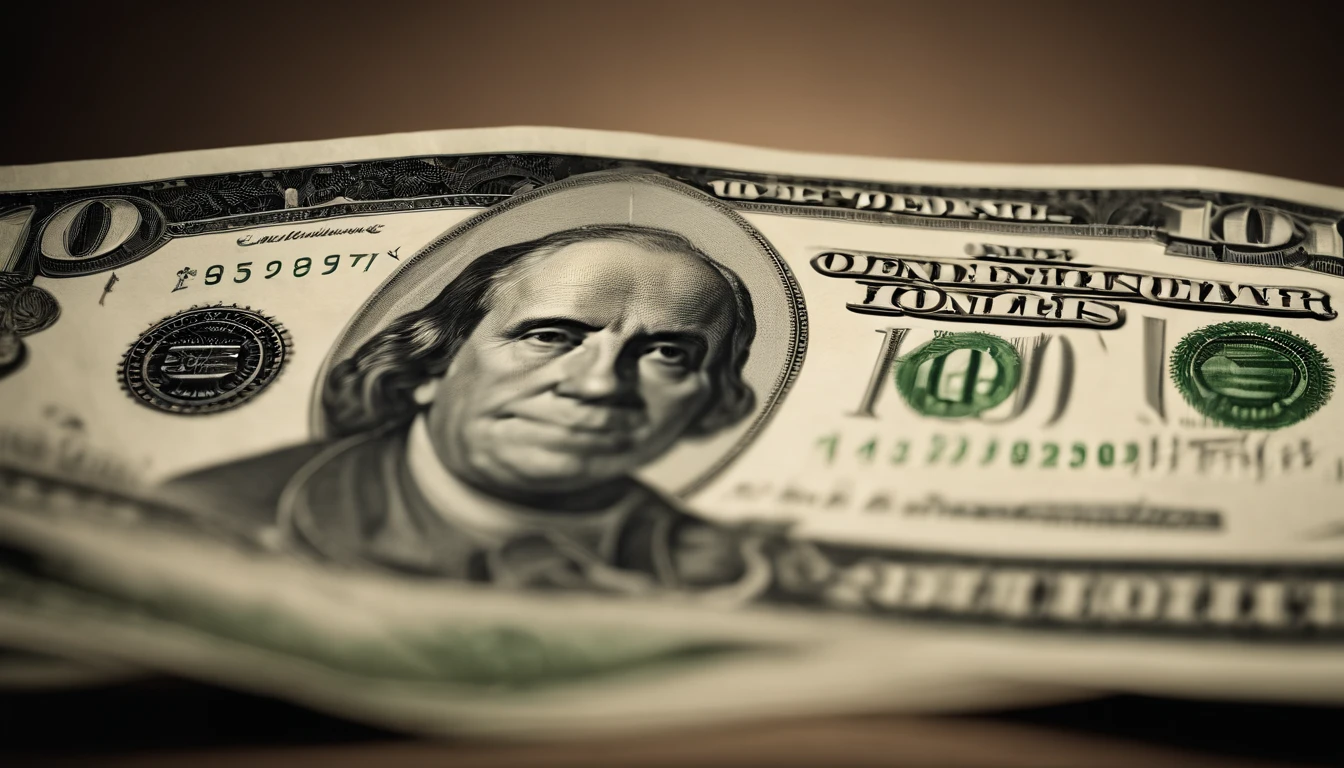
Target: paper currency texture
x: 985, y: 406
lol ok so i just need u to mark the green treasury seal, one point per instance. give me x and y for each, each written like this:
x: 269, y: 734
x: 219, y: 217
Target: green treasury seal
x: 958, y: 375
x: 1251, y: 375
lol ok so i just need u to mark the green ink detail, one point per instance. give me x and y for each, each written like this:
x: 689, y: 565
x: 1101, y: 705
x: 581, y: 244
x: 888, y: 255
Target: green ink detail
x: 1051, y: 451
x: 498, y: 658
x: 868, y: 449
x: 1251, y: 375
x: 828, y: 445
x: 959, y: 375
x: 960, y: 453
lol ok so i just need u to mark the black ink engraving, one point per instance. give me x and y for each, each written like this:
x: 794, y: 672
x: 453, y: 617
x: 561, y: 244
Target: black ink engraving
x: 107, y: 288
x: 204, y: 360
x: 183, y: 275
x: 24, y: 309
x: 89, y: 230
x: 496, y: 431
x: 994, y: 252
x: 1066, y: 294
x: 250, y: 240
x: 94, y: 234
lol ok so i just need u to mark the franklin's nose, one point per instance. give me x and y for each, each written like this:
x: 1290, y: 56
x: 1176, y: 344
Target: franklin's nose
x: 598, y: 371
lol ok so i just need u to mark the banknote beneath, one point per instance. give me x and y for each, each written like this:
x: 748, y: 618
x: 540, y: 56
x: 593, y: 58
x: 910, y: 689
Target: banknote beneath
x: 22, y: 670
x: 523, y: 430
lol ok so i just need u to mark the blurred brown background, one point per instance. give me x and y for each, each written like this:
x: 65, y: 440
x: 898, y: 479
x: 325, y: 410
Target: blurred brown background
x: 1250, y: 86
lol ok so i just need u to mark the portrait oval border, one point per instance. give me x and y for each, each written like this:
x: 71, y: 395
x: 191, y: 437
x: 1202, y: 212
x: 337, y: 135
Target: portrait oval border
x: 796, y: 306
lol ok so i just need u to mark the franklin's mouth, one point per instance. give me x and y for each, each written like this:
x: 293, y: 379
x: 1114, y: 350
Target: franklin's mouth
x: 577, y: 435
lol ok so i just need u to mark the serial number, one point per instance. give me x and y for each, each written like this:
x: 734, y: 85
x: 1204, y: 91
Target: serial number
x: 1253, y: 457
x: 952, y: 451
x: 242, y: 271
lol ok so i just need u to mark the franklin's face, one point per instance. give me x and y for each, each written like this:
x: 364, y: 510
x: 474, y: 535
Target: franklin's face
x: 591, y: 362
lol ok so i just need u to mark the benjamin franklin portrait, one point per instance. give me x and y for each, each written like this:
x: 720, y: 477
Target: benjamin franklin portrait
x: 495, y: 433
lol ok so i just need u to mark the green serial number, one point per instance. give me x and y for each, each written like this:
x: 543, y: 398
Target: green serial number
x: 952, y: 451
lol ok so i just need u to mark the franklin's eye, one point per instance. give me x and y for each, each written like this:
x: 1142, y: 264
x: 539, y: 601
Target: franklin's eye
x: 552, y: 338
x: 669, y: 355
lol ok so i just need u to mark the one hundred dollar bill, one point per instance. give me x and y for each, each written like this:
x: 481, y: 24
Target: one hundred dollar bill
x: 1078, y: 424
x: 22, y: 670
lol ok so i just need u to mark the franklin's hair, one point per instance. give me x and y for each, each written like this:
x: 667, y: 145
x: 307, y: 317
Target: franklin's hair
x: 375, y: 386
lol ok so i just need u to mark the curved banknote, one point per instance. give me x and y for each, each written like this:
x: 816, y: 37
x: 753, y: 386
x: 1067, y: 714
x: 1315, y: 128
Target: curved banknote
x: 1078, y: 424
x: 26, y: 670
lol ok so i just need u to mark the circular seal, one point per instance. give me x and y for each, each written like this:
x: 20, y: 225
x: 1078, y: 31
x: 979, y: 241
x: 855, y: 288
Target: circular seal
x: 960, y: 374
x: 205, y: 359
x: 24, y: 309
x: 1251, y: 375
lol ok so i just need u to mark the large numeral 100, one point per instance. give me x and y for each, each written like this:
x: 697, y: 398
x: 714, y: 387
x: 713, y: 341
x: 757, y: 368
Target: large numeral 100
x: 82, y: 237
x: 1250, y: 227
x: 969, y: 375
